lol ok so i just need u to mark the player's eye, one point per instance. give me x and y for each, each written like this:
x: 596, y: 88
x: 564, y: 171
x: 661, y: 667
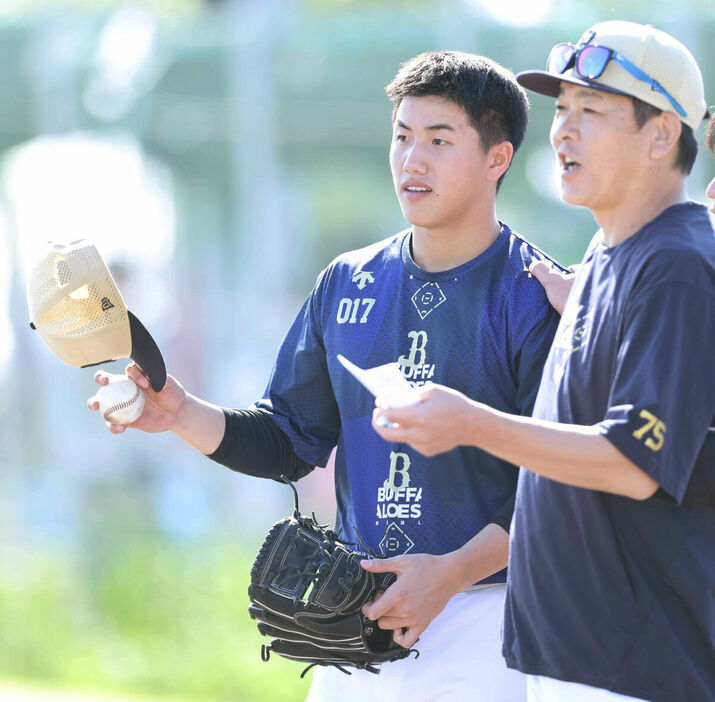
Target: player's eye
x: 401, y: 137
x: 439, y: 142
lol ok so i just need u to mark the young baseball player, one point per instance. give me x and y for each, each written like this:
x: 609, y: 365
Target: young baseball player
x: 612, y: 558
x: 450, y: 300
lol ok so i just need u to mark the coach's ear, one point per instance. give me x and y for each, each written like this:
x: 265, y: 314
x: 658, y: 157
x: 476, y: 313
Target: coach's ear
x: 666, y: 129
x: 557, y: 285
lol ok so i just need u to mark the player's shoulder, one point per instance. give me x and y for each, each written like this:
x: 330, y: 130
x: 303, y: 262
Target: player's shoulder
x: 365, y: 260
x: 522, y: 253
x: 526, y: 300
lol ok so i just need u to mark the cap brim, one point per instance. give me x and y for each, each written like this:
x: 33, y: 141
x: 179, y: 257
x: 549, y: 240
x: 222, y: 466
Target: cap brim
x: 550, y: 84
x: 145, y: 353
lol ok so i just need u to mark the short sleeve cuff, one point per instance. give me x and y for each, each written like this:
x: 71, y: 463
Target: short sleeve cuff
x: 619, y: 431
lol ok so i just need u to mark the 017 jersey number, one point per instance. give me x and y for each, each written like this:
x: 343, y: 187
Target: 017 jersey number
x: 349, y: 309
x: 653, y: 431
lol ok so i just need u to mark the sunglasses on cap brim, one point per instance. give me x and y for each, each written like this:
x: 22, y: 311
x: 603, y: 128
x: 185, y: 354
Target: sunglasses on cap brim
x: 590, y: 61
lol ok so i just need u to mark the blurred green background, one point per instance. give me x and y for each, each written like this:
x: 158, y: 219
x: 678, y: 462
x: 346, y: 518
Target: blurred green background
x: 220, y: 154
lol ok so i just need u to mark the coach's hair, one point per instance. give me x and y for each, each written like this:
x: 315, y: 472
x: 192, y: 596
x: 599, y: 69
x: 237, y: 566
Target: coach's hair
x: 710, y: 135
x: 687, y: 146
x: 497, y: 106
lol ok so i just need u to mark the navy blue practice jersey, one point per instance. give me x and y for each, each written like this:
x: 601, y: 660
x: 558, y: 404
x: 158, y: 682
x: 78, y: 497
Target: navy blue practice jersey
x: 605, y: 590
x: 483, y: 328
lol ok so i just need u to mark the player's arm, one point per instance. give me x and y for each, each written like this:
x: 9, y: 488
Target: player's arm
x: 246, y: 441
x: 426, y: 582
x: 572, y: 454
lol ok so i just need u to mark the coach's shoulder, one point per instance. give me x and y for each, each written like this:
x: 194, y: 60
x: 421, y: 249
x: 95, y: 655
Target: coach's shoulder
x: 680, y: 262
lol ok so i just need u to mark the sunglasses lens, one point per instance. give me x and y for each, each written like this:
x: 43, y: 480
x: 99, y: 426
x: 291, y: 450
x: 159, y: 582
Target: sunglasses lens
x: 592, y: 60
x: 559, y: 58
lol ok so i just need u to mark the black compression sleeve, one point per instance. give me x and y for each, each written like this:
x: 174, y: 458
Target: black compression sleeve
x: 253, y: 444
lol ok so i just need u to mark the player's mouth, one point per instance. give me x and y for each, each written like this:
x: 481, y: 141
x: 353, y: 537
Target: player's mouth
x: 414, y: 190
x: 569, y: 165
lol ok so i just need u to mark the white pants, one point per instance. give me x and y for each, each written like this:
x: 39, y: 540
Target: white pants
x: 460, y: 661
x: 542, y: 689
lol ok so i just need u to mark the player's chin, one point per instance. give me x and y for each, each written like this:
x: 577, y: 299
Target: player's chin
x: 420, y: 215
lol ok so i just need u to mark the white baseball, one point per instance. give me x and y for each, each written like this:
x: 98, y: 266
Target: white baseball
x: 121, y: 400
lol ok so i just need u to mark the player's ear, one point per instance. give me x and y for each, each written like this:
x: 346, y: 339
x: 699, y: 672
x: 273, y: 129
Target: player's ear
x: 498, y: 160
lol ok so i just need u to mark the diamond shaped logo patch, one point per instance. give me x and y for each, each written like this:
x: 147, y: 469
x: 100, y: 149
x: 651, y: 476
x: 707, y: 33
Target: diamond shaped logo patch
x: 428, y: 298
x: 395, y: 542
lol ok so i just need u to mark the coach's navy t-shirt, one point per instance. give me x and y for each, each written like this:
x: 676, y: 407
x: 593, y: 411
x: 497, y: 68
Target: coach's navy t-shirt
x: 484, y: 328
x: 605, y: 590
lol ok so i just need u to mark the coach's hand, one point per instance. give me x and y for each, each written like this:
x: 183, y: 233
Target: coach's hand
x: 423, y: 587
x: 433, y: 425
x: 161, y: 408
x: 556, y: 284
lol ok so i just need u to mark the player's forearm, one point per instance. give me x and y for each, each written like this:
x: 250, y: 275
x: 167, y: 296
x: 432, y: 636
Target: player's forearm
x: 572, y: 454
x: 483, y: 555
x: 200, y: 424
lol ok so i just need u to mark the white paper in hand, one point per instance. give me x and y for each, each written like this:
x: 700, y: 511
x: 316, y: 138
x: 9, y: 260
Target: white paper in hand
x: 385, y: 382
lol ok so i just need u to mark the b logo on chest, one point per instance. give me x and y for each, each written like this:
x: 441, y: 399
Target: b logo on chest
x: 414, y: 365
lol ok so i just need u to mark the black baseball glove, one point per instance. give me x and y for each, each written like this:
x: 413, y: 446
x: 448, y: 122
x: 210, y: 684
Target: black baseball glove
x: 306, y: 593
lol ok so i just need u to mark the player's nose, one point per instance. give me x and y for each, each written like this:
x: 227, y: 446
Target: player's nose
x: 415, y: 162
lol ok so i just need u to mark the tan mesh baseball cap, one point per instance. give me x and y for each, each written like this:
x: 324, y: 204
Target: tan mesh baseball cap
x: 662, y: 57
x: 77, y: 309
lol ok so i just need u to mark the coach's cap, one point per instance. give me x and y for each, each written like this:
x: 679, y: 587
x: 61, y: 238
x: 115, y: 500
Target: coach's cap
x: 654, y: 52
x: 77, y: 309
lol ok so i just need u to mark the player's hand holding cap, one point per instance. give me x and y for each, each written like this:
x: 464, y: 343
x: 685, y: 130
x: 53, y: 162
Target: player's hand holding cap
x: 77, y: 309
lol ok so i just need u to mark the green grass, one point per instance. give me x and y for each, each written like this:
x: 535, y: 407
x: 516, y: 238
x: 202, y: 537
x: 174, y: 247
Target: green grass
x: 144, y: 618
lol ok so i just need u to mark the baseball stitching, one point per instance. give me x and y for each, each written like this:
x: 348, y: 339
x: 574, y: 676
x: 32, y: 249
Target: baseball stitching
x: 122, y: 405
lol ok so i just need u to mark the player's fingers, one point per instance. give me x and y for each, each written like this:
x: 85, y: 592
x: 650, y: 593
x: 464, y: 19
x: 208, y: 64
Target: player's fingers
x: 379, y: 608
x: 382, y: 565
x: 93, y: 403
x: 137, y: 375
x: 407, y: 638
x: 390, y: 622
x: 405, y: 417
x: 394, y: 434
x: 101, y: 377
x: 115, y: 428
x: 385, y: 424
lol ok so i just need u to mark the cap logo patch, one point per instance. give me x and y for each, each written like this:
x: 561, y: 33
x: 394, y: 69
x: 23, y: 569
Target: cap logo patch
x: 106, y: 304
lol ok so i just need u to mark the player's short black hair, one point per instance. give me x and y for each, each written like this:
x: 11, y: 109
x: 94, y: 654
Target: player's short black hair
x: 710, y: 135
x: 687, y: 146
x: 497, y: 106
